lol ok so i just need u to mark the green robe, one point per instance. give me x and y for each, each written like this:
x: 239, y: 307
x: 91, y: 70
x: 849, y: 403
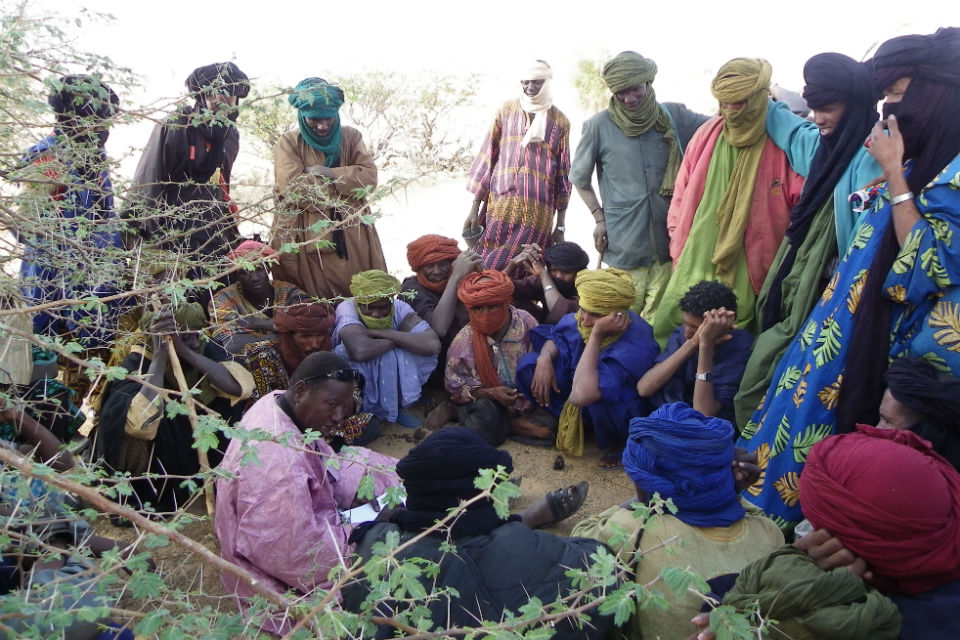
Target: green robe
x: 801, y: 290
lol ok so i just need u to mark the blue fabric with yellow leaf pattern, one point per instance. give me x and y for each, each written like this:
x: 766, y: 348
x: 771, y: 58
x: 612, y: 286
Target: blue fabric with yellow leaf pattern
x: 799, y: 408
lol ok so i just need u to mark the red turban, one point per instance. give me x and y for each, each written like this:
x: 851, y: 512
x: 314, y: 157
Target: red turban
x: 496, y: 290
x: 427, y: 250
x: 316, y: 318
x: 251, y: 246
x: 890, y: 499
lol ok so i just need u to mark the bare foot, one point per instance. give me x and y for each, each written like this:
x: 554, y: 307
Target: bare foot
x: 441, y: 414
x: 611, y: 460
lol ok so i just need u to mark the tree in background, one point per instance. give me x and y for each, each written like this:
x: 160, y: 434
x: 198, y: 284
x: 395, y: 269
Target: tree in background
x: 589, y: 83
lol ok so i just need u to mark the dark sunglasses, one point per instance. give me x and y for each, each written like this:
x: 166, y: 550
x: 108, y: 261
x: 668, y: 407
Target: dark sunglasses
x: 340, y: 375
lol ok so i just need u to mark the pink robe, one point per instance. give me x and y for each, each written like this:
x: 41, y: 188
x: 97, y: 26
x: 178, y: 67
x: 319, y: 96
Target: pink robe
x: 777, y: 189
x: 279, y: 519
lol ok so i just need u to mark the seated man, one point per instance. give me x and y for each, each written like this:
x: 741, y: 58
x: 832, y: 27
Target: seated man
x: 136, y: 434
x: 893, y: 507
x: 588, y: 365
x: 498, y: 565
x: 547, y: 292
x: 482, y: 361
x: 709, y: 381
x: 926, y: 401
x: 439, y: 266
x: 686, y: 457
x: 388, y: 343
x: 243, y: 312
x: 292, y: 543
x: 301, y: 329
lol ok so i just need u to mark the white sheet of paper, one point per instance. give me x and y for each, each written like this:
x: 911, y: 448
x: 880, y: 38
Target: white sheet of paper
x: 363, y: 513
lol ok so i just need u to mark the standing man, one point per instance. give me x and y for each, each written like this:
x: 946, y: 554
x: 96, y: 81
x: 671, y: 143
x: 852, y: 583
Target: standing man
x: 636, y: 146
x: 519, y: 178
x: 180, y: 196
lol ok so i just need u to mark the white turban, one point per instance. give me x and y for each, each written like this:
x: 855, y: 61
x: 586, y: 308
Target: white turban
x: 538, y: 104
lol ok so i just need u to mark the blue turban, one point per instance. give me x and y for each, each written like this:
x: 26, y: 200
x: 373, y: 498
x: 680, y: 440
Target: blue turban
x: 317, y: 98
x: 685, y: 456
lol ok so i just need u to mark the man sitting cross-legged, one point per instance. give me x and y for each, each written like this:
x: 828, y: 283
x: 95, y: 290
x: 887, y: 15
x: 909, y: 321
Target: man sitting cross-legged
x: 279, y: 518
x: 483, y: 358
x: 388, y: 342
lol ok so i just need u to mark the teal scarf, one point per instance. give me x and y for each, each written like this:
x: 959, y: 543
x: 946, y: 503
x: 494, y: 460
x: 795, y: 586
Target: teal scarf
x: 316, y: 98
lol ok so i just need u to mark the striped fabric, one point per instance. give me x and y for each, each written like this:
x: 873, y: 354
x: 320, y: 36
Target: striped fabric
x: 523, y: 186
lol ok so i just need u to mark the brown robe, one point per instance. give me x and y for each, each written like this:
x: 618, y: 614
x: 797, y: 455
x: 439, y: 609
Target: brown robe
x: 319, y: 271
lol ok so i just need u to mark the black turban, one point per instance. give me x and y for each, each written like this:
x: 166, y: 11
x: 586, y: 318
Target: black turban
x: 439, y: 473
x: 929, y: 57
x: 219, y: 76
x: 566, y: 256
x: 829, y: 78
x: 84, y: 96
x: 920, y: 386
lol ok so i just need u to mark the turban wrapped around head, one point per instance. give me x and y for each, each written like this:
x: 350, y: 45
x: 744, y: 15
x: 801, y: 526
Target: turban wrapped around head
x: 685, y: 456
x: 834, y: 77
x: 743, y: 80
x: 317, y: 98
x: 889, y: 499
x: 370, y: 286
x: 430, y: 249
x: 85, y: 96
x: 566, y: 256
x: 439, y: 473
x: 628, y: 69
x: 477, y: 291
x: 536, y: 70
x: 920, y: 386
x: 934, y: 57
x: 539, y: 104
x: 605, y: 291
x: 251, y: 250
x: 315, y: 318
x: 219, y: 76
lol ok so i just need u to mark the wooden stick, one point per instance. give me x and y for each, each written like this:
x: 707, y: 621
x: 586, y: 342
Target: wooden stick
x: 192, y: 415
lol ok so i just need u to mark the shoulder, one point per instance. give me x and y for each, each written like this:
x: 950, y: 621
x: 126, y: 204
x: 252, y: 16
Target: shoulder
x: 401, y: 310
x: 348, y: 133
x: 559, y: 117
x: 347, y: 309
x: 525, y: 317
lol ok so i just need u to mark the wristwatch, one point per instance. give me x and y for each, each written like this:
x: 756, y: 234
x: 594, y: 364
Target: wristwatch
x: 706, y: 376
x: 561, y: 228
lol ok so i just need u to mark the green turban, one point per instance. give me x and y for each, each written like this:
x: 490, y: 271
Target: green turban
x: 628, y: 69
x: 373, y: 285
x: 317, y: 98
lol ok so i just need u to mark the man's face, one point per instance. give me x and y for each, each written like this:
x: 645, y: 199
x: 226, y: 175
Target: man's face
x: 589, y: 318
x: 631, y: 97
x: 322, y: 407
x: 320, y: 126
x: 733, y: 106
x: 894, y: 415
x: 532, y: 87
x: 255, y: 283
x: 437, y: 271
x: 377, y: 309
x: 562, y: 276
x: 690, y: 324
x: 828, y: 117
x: 894, y: 93
x: 309, y: 342
x: 218, y: 102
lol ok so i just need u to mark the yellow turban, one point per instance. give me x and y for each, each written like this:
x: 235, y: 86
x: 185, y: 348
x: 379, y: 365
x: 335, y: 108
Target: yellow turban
x: 605, y: 291
x: 743, y: 80
x: 373, y: 285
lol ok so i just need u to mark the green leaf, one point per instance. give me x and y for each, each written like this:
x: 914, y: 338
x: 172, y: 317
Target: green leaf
x: 729, y: 624
x: 366, y: 490
x: 806, y: 336
x: 176, y: 408
x: 621, y: 604
x: 813, y: 434
x: 782, y: 439
x: 828, y: 342
x: 789, y: 379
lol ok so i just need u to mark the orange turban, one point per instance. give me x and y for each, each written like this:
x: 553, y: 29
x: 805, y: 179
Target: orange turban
x: 315, y: 318
x: 427, y: 250
x: 247, y: 247
x: 495, y: 289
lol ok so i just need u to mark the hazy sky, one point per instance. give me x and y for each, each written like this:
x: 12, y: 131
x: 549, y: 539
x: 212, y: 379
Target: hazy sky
x: 282, y: 41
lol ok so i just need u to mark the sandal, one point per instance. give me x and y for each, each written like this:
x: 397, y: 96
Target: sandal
x: 565, y: 502
x: 611, y: 461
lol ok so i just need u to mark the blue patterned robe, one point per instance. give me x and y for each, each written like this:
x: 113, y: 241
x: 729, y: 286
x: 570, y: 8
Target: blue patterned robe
x: 799, y: 408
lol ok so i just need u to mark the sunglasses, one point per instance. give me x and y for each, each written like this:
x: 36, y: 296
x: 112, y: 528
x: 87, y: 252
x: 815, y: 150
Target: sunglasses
x: 340, y: 375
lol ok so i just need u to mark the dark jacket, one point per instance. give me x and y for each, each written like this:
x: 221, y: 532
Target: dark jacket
x: 492, y: 573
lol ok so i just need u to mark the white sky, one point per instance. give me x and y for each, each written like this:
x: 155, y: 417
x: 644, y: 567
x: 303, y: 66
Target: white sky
x: 279, y: 42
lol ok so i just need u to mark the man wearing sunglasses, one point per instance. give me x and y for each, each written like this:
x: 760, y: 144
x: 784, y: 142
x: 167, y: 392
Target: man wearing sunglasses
x: 278, y: 515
